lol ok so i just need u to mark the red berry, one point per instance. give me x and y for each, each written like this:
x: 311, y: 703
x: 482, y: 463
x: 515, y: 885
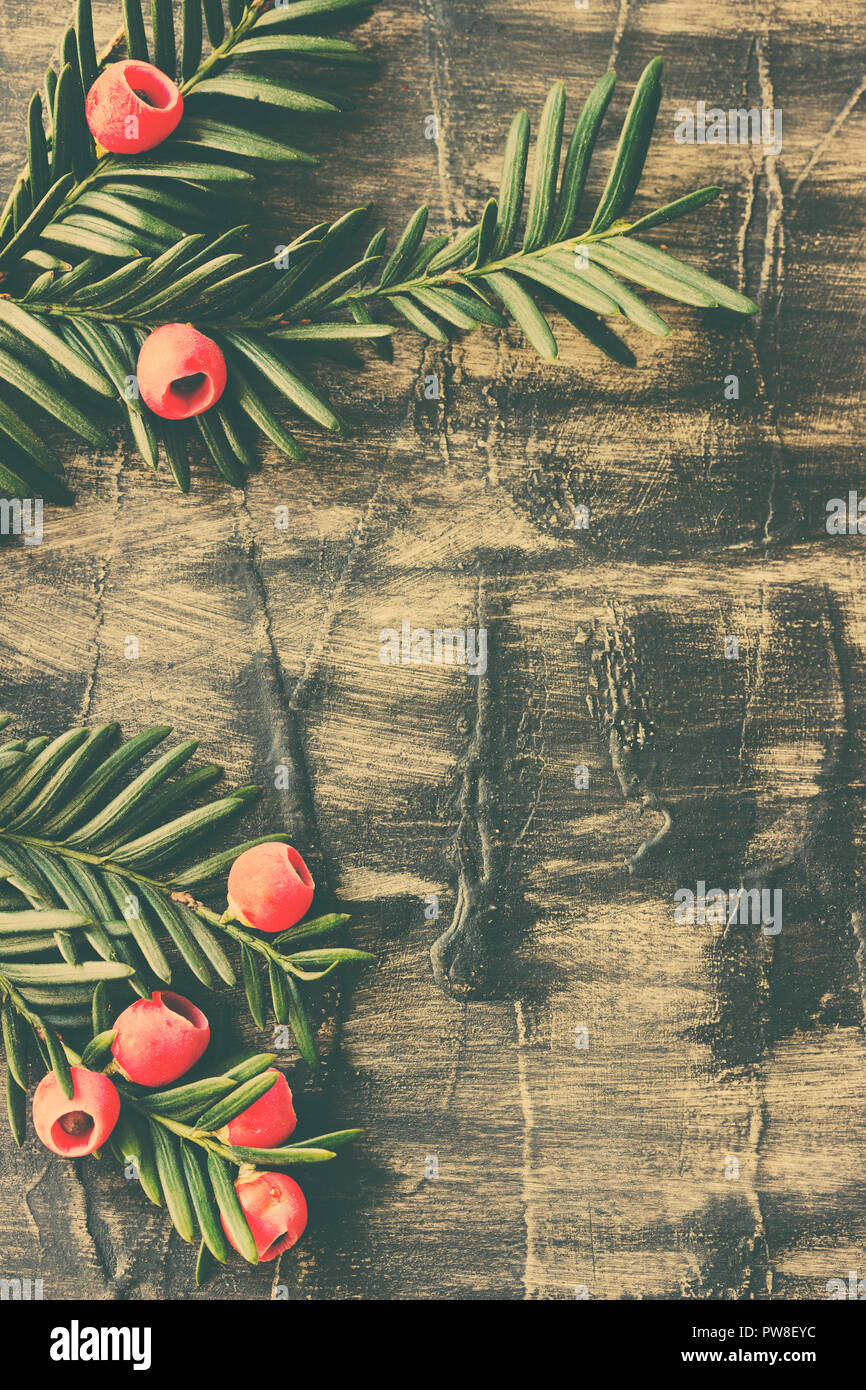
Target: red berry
x: 266, y: 1123
x: 132, y: 106
x: 158, y: 1039
x: 75, y: 1127
x: 180, y: 372
x: 276, y: 1210
x: 270, y: 887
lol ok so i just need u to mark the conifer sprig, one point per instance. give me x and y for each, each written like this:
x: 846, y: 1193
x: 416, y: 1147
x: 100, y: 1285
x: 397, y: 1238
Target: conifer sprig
x: 138, y: 266
x: 168, y: 1142
x: 92, y: 893
x: 508, y: 266
x: 251, y: 32
x: 77, y: 216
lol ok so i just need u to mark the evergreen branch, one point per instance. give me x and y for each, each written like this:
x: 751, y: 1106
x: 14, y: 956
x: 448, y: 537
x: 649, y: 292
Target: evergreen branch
x: 76, y: 212
x: 68, y: 140
x: 84, y: 323
x: 93, y: 891
x: 581, y: 272
x: 168, y: 1141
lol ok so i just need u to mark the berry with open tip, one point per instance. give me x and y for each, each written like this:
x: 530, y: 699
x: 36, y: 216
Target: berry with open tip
x: 180, y: 372
x: 73, y: 1128
x: 276, y: 1210
x: 270, y: 887
x: 132, y: 107
x: 158, y: 1039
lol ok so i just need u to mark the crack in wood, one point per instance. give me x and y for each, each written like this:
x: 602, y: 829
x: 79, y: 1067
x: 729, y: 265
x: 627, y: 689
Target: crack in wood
x: 740, y: 1269
x: 98, y: 1232
x: 357, y: 543
x: 458, y: 956
x: 103, y: 572
x: 764, y: 335
x: 496, y: 796
x: 532, y: 1269
x: 438, y: 27
x: 299, y: 809
x: 457, y: 1061
x: 820, y: 149
x: 622, y: 19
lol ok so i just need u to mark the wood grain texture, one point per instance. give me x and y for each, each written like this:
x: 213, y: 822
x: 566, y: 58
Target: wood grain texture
x: 561, y: 1169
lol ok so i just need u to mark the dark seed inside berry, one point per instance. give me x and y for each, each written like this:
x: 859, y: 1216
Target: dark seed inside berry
x: 76, y: 1123
x: 188, y: 385
x: 158, y: 96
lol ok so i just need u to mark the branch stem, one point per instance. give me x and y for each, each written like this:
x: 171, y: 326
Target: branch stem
x: 223, y: 924
x: 450, y: 276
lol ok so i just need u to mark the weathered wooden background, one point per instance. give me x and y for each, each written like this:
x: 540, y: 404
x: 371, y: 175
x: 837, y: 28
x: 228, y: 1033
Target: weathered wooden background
x: 561, y: 1169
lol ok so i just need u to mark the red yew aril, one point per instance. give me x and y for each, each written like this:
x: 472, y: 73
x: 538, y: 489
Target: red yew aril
x: 266, y: 1123
x: 132, y: 107
x: 73, y: 1128
x: 158, y: 1039
x: 180, y: 372
x: 270, y: 887
x: 276, y: 1210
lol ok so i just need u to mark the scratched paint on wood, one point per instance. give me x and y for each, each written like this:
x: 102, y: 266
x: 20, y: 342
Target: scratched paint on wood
x: 615, y: 1103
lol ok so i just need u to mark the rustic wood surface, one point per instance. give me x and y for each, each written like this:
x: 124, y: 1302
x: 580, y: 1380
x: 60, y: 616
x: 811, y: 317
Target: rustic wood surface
x: 563, y: 1171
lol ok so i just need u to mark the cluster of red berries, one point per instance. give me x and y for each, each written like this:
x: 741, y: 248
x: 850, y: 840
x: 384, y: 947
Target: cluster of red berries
x: 132, y: 107
x: 158, y: 1040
